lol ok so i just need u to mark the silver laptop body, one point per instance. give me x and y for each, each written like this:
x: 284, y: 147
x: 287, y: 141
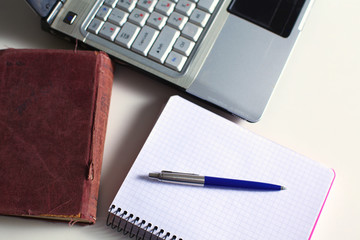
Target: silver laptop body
x: 229, y: 53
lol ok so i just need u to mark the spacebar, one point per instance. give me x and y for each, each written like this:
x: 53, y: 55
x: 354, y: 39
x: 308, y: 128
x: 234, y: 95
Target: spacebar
x: 164, y: 44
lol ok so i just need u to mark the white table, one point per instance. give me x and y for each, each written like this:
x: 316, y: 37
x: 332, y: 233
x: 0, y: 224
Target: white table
x: 314, y: 111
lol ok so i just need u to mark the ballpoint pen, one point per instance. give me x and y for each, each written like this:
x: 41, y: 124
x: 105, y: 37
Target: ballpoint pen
x: 197, y: 180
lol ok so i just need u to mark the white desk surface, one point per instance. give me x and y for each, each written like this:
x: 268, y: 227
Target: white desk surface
x: 315, y: 111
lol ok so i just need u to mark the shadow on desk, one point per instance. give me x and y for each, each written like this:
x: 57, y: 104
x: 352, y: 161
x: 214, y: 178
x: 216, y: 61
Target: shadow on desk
x: 20, y: 26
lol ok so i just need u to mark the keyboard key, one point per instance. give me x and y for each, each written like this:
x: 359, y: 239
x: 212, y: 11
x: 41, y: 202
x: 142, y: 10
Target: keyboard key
x: 138, y: 17
x: 199, y: 17
x: 185, y: 7
x: 191, y: 31
x: 164, y: 44
x: 184, y: 46
x: 95, y: 26
x: 110, y: 3
x: 177, y: 20
x: 126, y: 5
x: 165, y: 7
x: 147, y: 5
x: 127, y: 35
x: 118, y: 17
x: 109, y: 31
x: 103, y: 13
x: 145, y: 40
x: 157, y: 20
x: 207, y: 5
x: 175, y: 61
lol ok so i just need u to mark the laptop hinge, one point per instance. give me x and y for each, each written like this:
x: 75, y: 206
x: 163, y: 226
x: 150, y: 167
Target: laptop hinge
x: 55, y: 11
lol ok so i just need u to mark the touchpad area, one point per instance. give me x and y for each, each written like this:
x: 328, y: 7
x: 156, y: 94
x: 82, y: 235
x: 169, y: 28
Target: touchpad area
x: 278, y: 16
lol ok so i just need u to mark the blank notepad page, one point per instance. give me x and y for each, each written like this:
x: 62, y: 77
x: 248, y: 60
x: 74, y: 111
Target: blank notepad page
x: 190, y: 139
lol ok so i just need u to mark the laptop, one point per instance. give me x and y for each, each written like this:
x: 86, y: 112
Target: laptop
x: 230, y: 53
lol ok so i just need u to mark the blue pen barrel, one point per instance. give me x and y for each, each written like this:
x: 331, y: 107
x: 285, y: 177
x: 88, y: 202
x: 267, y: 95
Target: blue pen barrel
x: 235, y: 183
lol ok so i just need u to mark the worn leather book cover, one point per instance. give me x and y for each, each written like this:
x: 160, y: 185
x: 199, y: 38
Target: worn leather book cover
x: 53, y: 114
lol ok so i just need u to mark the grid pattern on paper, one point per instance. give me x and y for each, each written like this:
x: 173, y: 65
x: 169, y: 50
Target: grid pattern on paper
x: 187, y: 138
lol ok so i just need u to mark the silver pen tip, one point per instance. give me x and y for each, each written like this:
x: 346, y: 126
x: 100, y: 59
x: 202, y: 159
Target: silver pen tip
x: 283, y: 188
x: 154, y: 175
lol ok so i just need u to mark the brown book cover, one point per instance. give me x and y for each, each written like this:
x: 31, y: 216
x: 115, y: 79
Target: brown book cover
x: 53, y: 114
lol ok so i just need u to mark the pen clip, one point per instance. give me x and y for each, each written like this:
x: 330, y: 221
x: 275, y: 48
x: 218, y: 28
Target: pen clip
x: 181, y: 178
x: 178, y: 173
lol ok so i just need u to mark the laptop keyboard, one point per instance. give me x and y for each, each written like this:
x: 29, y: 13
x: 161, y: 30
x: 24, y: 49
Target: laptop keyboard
x: 162, y: 30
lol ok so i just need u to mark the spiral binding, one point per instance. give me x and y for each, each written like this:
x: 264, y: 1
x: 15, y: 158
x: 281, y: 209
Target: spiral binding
x: 133, y: 226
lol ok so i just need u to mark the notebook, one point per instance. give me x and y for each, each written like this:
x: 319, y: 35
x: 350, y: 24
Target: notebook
x: 190, y: 139
x: 227, y: 52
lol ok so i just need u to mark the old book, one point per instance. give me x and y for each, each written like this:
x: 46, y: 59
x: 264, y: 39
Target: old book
x: 53, y: 114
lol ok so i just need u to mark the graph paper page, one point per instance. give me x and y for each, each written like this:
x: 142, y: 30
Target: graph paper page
x: 190, y: 139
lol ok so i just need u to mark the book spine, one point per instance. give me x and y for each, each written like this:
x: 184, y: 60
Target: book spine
x: 104, y: 80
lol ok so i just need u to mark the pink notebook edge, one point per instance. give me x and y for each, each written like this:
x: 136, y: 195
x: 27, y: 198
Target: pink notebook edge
x: 317, y: 219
